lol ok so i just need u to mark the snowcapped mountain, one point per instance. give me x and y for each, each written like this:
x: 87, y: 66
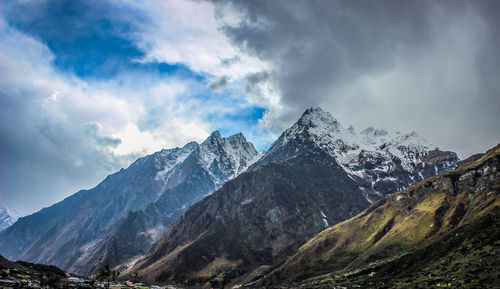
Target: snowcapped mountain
x: 316, y: 174
x: 7, y: 218
x: 71, y: 234
x: 192, y: 173
x: 382, y: 163
x: 256, y: 219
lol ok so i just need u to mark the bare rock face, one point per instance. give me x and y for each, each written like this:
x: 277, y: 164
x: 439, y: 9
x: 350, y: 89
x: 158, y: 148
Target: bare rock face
x: 258, y: 218
x: 120, y: 219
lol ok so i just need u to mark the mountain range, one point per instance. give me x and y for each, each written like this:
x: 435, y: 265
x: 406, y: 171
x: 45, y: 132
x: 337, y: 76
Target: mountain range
x: 315, y: 175
x: 189, y: 214
x: 87, y: 229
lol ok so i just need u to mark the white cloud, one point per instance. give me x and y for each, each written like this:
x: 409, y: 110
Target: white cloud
x: 180, y: 31
x: 46, y: 116
x: 61, y: 133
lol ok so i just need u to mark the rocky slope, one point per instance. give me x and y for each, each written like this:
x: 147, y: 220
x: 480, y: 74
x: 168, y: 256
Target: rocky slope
x: 443, y: 229
x: 79, y: 232
x: 7, y: 218
x: 255, y: 219
x: 315, y: 175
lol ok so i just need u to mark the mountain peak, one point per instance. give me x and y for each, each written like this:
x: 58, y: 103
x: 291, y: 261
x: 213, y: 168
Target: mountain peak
x: 373, y: 132
x: 215, y: 135
x: 312, y: 110
x: 7, y: 217
x: 213, y: 138
x: 238, y: 136
x: 315, y: 117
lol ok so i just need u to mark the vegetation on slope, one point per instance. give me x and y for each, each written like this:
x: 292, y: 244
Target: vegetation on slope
x: 422, y: 215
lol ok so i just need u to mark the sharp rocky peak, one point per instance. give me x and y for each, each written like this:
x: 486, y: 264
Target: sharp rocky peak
x: 214, y: 137
x: 239, y: 137
x: 315, y: 117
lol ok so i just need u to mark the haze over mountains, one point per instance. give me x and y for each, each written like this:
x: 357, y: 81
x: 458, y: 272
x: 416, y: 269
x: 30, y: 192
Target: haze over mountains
x: 316, y: 174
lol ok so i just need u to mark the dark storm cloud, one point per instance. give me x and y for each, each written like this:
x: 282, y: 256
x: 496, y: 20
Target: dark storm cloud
x: 257, y: 77
x: 253, y: 83
x: 431, y: 66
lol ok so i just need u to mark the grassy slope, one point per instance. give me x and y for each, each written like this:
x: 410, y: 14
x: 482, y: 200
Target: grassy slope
x: 465, y: 258
x: 421, y: 215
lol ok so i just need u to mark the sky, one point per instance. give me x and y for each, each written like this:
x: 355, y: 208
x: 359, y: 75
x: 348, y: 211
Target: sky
x: 88, y: 86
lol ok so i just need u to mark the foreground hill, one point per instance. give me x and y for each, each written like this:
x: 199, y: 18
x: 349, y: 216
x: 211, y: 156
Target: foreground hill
x: 79, y: 233
x: 28, y: 275
x: 443, y: 230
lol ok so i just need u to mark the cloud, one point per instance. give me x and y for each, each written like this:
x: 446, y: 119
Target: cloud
x: 179, y: 31
x: 86, y: 37
x: 92, y: 129
x: 409, y: 65
x: 61, y: 132
x: 88, y: 86
x: 218, y: 84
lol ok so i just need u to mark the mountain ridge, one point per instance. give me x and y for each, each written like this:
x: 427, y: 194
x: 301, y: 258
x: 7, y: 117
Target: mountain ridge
x: 314, y: 140
x: 381, y: 162
x: 121, y: 219
x: 68, y: 233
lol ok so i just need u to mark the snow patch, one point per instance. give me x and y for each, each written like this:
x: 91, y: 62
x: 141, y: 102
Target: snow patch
x: 325, y: 220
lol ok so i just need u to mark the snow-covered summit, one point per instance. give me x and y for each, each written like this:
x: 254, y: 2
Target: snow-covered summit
x: 223, y: 157
x: 386, y: 161
x: 316, y: 118
x: 7, y: 217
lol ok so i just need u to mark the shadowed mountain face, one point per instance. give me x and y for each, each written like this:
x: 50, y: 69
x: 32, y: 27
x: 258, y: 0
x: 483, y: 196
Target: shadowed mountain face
x: 81, y: 232
x: 315, y: 175
x: 440, y: 227
x: 257, y: 218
